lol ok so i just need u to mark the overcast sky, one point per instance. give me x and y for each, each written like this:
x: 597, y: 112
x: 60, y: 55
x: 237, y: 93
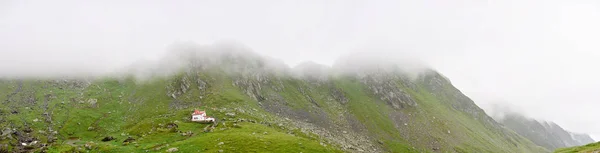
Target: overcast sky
x: 538, y: 56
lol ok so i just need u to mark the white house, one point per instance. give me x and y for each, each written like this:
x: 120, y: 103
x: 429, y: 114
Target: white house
x: 200, y: 116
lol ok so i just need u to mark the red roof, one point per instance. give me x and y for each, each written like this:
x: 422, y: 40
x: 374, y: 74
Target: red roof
x: 197, y: 112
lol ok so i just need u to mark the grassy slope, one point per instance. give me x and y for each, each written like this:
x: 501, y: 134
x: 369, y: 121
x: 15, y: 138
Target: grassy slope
x: 589, y: 148
x: 129, y: 109
x: 430, y: 122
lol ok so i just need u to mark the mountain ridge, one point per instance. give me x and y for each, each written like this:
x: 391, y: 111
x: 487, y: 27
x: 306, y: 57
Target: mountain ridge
x: 258, y: 102
x: 544, y: 133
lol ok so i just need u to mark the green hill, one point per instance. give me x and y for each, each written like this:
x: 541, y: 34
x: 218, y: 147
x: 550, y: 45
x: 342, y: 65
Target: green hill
x: 260, y: 105
x: 589, y: 148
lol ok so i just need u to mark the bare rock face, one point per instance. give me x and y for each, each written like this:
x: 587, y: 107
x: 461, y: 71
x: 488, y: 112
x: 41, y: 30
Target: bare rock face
x: 339, y: 96
x: 252, y: 84
x: 386, y: 88
x: 179, y: 87
x: 250, y: 88
x: 202, y: 85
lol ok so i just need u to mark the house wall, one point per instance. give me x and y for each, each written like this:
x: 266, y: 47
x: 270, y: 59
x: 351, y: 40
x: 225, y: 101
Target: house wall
x: 197, y: 117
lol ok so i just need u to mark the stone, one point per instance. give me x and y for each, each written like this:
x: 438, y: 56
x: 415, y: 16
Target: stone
x: 188, y: 133
x: 220, y: 150
x: 172, y: 150
x: 221, y: 143
x: 129, y: 139
x: 172, y: 125
x: 6, y: 133
x: 89, y: 145
x: 108, y: 138
x: 92, y: 102
x: 27, y: 130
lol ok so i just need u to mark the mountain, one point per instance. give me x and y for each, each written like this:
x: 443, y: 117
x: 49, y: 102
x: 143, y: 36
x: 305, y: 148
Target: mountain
x: 581, y: 139
x: 546, y: 134
x: 260, y: 105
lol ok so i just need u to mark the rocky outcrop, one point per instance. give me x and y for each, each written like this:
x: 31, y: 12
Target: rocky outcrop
x: 386, y: 88
x: 179, y: 86
x: 338, y: 95
x: 251, y: 87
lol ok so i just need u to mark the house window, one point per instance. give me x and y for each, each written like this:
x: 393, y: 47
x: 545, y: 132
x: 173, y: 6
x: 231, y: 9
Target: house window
x: 195, y: 118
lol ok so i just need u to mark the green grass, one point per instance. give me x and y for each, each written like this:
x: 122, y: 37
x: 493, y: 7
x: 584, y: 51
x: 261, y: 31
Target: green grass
x: 589, y: 148
x: 127, y: 108
x: 249, y: 137
x: 139, y: 109
x: 252, y: 138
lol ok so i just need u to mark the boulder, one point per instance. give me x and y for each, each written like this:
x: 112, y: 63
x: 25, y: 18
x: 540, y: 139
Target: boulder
x: 128, y: 140
x: 172, y: 150
x: 108, y: 138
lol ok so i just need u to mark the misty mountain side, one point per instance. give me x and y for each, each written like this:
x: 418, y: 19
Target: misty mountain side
x: 589, y: 148
x: 260, y: 105
x: 546, y: 134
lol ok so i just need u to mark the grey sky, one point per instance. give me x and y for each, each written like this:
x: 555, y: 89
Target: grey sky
x: 539, y: 56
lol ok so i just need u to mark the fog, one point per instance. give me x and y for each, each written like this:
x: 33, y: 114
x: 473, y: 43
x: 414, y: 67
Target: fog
x: 539, y: 56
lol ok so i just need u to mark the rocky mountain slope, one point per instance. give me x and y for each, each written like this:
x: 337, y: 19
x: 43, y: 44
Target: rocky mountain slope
x: 546, y: 134
x: 260, y: 104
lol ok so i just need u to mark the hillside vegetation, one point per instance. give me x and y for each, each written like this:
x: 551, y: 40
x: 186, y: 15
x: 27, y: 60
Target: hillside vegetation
x: 589, y: 148
x: 260, y: 105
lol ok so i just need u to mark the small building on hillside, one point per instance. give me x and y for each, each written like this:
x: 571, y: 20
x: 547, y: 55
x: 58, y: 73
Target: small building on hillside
x: 200, y: 116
